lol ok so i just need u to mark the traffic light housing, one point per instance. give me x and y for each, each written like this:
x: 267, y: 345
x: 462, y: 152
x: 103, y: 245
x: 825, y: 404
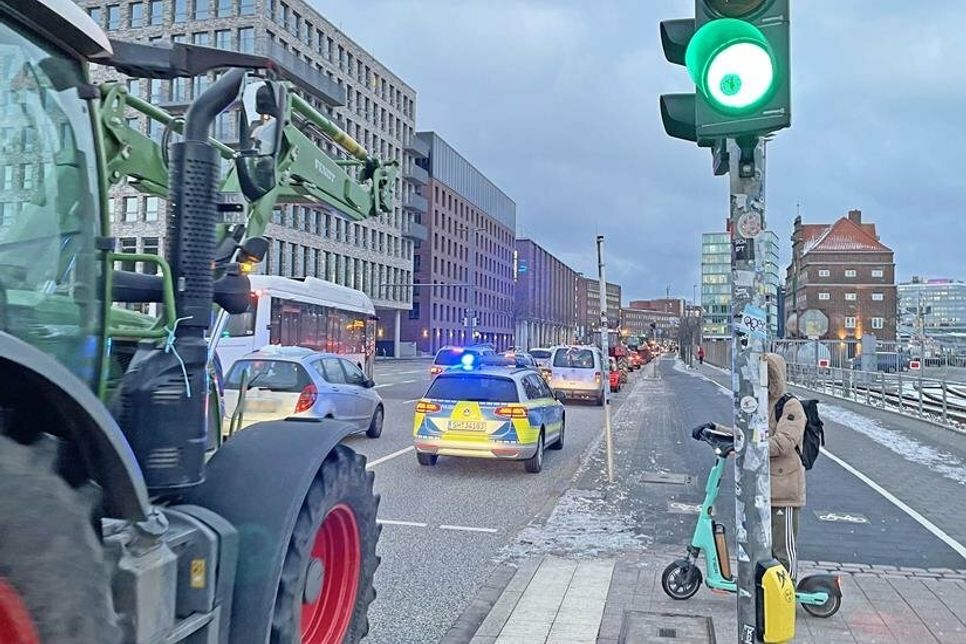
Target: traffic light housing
x: 737, y: 54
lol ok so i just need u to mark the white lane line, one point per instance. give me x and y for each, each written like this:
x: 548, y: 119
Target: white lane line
x: 393, y: 384
x: 466, y: 528
x: 935, y: 530
x: 414, y: 524
x: 406, y: 402
x: 405, y: 382
x: 388, y: 457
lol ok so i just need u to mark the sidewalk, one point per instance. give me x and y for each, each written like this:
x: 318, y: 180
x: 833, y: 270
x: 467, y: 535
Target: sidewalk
x: 611, y: 592
x: 611, y: 600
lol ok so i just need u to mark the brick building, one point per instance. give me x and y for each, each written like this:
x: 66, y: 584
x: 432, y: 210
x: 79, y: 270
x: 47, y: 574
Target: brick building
x: 468, y: 256
x: 545, y: 305
x: 342, y: 81
x: 845, y: 271
x: 636, y: 322
x: 673, y: 305
x: 588, y: 308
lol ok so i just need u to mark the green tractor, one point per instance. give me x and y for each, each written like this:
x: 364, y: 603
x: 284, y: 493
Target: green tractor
x: 122, y: 518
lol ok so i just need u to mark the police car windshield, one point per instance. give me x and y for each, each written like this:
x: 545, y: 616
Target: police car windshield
x: 473, y: 387
x: 574, y: 358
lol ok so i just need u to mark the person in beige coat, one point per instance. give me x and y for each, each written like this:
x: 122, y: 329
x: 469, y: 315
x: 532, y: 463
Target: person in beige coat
x: 785, y: 434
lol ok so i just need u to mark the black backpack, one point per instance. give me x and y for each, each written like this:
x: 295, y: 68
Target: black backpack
x: 814, y: 437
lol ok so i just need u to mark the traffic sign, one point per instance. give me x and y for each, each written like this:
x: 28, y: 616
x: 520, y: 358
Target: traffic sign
x: 915, y: 365
x: 823, y: 363
x: 813, y: 323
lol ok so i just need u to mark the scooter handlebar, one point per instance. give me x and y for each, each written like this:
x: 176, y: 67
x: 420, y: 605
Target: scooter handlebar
x: 698, y: 433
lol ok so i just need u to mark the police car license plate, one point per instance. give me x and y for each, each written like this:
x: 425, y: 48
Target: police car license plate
x: 467, y: 426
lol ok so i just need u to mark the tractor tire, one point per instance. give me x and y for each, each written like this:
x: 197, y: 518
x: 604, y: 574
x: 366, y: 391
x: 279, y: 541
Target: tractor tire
x: 55, y: 586
x: 326, y: 585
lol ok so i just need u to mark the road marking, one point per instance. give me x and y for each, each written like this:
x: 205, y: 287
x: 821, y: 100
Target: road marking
x: 406, y: 402
x: 935, y: 530
x: 414, y: 524
x: 372, y: 464
x: 405, y: 382
x: 385, y: 384
x: 466, y: 528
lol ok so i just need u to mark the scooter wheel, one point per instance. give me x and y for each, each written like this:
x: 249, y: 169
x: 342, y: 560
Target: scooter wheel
x: 826, y: 610
x: 681, y: 579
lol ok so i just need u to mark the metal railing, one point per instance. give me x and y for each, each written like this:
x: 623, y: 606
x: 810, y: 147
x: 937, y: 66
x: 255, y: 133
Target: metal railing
x: 912, y: 393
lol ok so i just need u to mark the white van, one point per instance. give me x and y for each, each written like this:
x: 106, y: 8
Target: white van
x: 576, y: 372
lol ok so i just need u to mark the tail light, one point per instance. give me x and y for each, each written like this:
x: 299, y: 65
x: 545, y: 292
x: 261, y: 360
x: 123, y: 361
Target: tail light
x: 306, y: 399
x: 424, y: 407
x: 435, y: 371
x: 597, y: 377
x: 512, y: 411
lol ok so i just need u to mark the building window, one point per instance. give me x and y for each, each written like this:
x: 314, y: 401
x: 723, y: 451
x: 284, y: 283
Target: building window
x: 151, y: 247
x: 878, y: 272
x: 824, y: 296
x: 849, y: 323
x: 135, y: 15
x: 180, y: 10
x: 151, y: 208
x: 96, y: 16
x: 223, y: 8
x: 223, y: 39
x: 877, y: 297
x: 131, y: 209
x: 202, y: 11
x: 246, y: 40
x: 246, y: 7
x: 878, y: 323
x: 129, y: 245
x: 850, y: 272
x: 824, y: 272
x: 157, y: 12
x: 850, y: 297
x: 200, y: 38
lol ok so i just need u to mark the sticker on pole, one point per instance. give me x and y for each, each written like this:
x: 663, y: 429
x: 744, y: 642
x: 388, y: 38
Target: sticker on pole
x: 915, y: 365
x: 753, y: 321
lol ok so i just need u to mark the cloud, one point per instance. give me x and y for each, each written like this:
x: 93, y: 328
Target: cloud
x: 556, y: 102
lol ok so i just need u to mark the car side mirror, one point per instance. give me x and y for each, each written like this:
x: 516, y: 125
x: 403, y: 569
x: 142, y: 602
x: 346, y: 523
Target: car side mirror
x: 369, y: 383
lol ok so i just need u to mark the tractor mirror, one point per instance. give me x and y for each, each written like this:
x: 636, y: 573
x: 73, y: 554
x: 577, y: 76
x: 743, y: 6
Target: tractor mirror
x: 262, y: 128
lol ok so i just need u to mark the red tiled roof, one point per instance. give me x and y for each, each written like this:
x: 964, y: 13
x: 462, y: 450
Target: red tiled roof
x: 843, y: 235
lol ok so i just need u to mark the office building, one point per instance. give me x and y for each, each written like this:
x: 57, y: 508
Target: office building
x: 588, y: 309
x: 341, y: 80
x: 843, y: 270
x: 933, y: 312
x: 545, y: 300
x: 465, y: 268
x: 649, y: 324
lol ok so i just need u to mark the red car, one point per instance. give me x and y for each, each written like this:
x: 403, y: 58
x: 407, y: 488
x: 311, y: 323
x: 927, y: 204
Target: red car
x: 615, y: 376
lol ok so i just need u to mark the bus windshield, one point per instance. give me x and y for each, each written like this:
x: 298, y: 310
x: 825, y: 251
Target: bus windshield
x: 49, y: 205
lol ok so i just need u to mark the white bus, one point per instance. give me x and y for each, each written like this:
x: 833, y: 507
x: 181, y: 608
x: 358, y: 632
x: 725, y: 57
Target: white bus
x: 304, y: 312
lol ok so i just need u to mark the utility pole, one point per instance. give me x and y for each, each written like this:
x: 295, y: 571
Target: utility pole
x: 750, y: 374
x: 605, y: 361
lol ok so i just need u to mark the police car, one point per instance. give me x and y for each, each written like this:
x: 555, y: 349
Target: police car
x: 488, y: 411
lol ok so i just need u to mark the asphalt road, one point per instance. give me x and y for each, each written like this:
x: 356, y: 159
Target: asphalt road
x: 444, y: 526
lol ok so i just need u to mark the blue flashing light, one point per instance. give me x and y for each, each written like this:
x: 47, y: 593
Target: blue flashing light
x: 467, y: 361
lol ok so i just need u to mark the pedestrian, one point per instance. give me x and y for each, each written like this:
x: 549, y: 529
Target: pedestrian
x: 701, y: 355
x: 785, y: 433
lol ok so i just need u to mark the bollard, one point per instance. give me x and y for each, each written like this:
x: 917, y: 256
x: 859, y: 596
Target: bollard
x: 882, y: 401
x: 945, y: 404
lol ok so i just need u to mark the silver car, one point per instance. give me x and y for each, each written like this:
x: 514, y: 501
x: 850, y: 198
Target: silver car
x: 283, y: 382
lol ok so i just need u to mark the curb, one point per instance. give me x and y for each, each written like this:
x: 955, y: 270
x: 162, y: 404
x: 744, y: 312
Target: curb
x: 468, y: 623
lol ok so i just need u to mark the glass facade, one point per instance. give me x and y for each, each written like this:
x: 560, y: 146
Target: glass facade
x: 941, y: 302
x: 716, y: 282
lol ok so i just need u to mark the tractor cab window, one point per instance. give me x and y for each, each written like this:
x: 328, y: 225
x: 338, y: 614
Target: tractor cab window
x: 49, y: 205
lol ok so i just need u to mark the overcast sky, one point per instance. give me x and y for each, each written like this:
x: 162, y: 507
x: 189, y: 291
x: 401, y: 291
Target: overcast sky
x: 556, y: 101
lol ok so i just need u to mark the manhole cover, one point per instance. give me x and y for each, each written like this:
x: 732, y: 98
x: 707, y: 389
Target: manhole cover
x: 670, y: 478
x: 654, y: 628
x: 679, y: 507
x: 841, y: 517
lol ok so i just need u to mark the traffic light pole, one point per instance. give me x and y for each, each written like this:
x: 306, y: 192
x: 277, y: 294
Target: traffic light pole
x: 749, y: 332
x: 605, y: 358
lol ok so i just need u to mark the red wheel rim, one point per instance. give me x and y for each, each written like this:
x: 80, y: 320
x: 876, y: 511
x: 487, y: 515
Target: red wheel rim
x: 326, y: 619
x: 16, y: 625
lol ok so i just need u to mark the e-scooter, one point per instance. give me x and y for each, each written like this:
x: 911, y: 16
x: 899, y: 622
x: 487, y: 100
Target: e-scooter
x: 819, y: 595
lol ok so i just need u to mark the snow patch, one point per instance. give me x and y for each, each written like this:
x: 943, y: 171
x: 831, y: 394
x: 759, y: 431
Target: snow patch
x: 694, y: 373
x: 938, y: 461
x: 580, y: 527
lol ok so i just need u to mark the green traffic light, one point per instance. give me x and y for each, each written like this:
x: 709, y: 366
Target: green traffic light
x: 732, y: 64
